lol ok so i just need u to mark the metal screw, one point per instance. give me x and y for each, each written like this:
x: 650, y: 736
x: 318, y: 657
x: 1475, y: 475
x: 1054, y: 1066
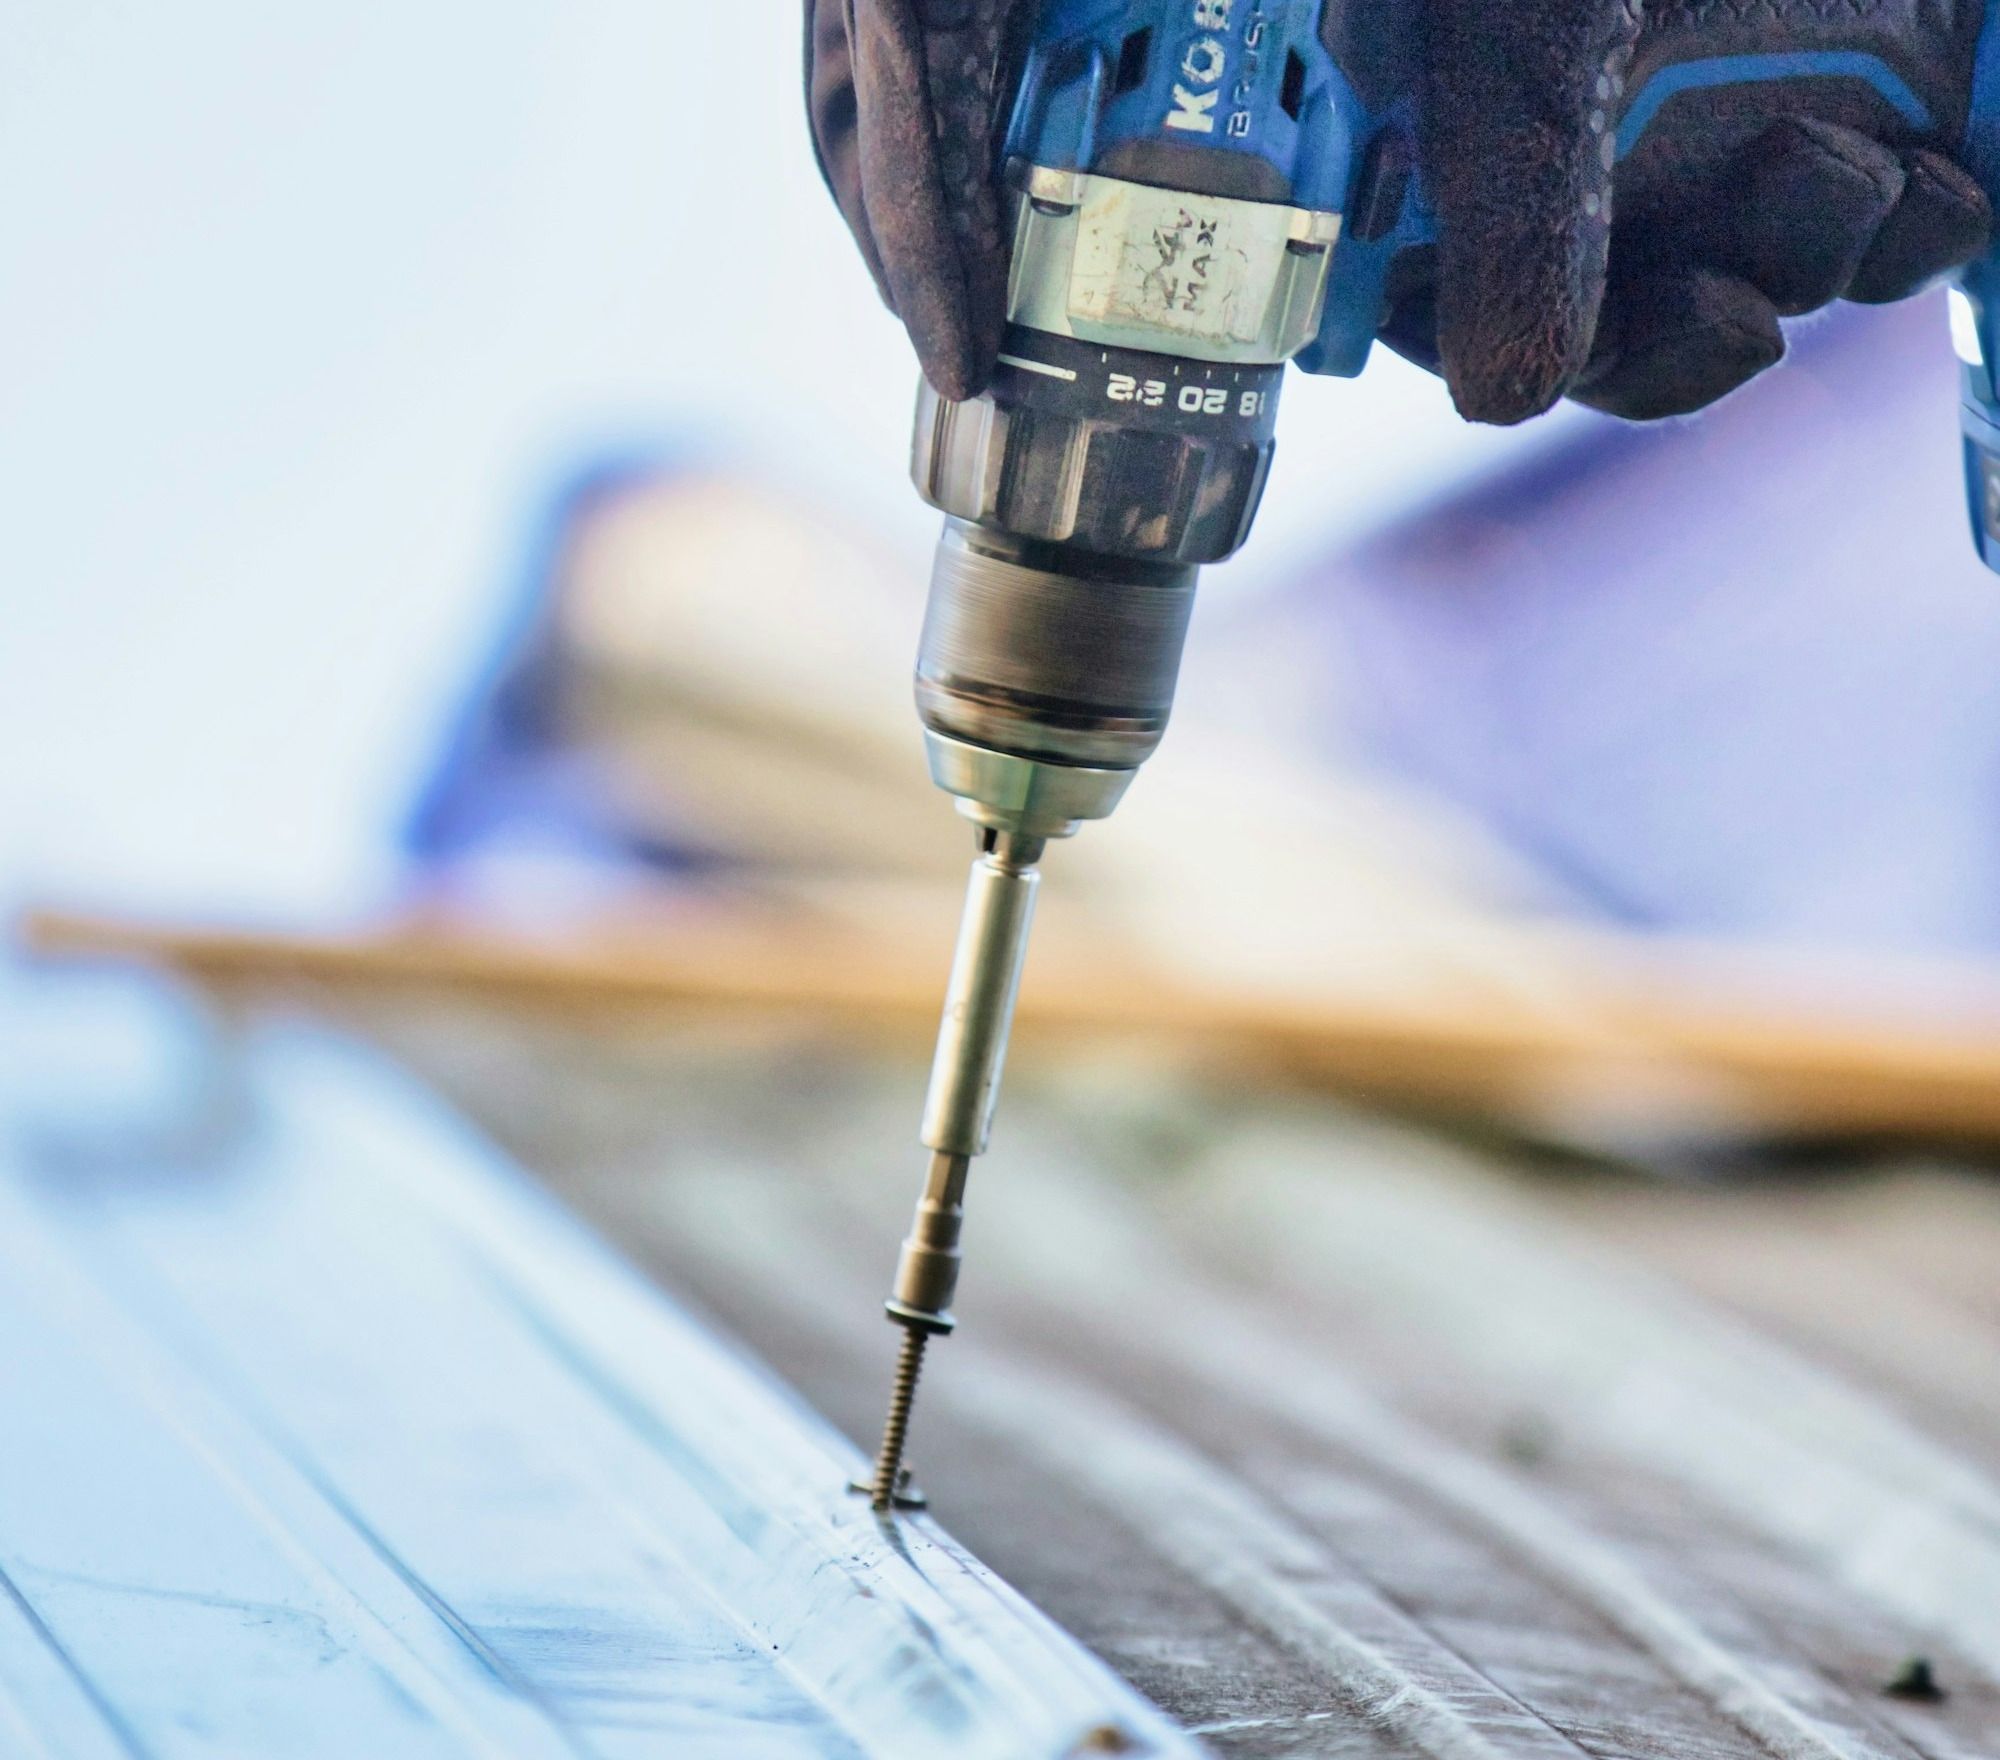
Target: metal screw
x: 896, y: 1431
x: 1916, y: 1680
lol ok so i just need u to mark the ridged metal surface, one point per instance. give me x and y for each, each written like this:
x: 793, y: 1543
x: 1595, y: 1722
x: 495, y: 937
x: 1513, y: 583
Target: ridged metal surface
x: 327, y: 1434
x: 1337, y: 1439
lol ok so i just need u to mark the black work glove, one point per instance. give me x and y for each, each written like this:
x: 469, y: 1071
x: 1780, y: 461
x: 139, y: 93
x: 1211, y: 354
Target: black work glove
x: 1740, y: 205
x: 1730, y: 219
x: 1809, y: 212
x: 906, y: 102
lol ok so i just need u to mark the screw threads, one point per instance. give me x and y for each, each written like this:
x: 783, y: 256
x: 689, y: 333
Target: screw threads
x: 896, y: 1431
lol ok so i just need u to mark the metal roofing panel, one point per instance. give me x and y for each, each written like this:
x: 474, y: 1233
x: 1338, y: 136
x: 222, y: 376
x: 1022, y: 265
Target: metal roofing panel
x: 345, y: 1440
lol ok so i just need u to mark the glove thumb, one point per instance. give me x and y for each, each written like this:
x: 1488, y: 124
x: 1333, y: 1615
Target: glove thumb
x: 1520, y: 128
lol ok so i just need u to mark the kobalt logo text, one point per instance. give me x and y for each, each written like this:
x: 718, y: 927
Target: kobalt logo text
x: 1203, y: 64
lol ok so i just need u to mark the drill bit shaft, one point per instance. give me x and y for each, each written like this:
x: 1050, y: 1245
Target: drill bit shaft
x: 958, y: 1113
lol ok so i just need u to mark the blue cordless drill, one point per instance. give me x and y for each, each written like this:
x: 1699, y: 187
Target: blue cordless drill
x: 1204, y: 190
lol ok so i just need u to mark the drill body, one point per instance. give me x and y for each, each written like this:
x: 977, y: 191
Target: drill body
x: 1182, y: 173
x: 1202, y: 192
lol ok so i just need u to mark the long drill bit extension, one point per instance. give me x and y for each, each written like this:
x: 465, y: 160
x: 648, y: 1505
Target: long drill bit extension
x: 958, y: 1116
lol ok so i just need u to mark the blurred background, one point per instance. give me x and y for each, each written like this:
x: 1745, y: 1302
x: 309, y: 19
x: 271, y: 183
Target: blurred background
x: 1507, y: 1100
x: 309, y: 315
x: 458, y: 447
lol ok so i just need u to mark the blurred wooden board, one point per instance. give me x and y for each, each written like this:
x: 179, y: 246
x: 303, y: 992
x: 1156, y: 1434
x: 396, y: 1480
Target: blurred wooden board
x: 1335, y: 1438
x: 329, y: 1435
x: 1614, y: 1047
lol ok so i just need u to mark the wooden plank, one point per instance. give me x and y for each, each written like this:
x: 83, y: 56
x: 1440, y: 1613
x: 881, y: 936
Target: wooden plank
x: 1677, y: 1048
x: 350, y: 1442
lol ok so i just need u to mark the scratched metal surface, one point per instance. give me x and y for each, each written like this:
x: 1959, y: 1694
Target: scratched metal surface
x: 328, y: 1434
x: 1338, y: 1439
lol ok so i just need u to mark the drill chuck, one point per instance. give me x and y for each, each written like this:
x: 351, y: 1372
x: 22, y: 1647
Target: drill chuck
x: 1050, y: 652
x: 1117, y: 452
x: 1082, y: 490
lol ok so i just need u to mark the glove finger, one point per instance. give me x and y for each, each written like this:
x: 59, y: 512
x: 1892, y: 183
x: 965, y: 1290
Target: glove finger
x: 1670, y: 344
x: 1411, y: 297
x: 1943, y: 220
x: 830, y: 110
x: 1805, y: 203
x: 928, y: 79
x: 1520, y: 120
x: 903, y: 192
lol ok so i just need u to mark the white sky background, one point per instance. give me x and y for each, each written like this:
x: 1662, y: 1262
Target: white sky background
x: 301, y: 306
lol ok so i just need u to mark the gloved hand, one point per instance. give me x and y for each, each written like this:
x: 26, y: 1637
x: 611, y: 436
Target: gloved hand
x: 1755, y: 203
x: 1746, y: 204
x: 1740, y: 205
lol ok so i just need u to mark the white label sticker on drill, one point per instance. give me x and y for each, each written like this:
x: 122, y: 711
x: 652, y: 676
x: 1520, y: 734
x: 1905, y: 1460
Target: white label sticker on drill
x: 1176, y: 265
